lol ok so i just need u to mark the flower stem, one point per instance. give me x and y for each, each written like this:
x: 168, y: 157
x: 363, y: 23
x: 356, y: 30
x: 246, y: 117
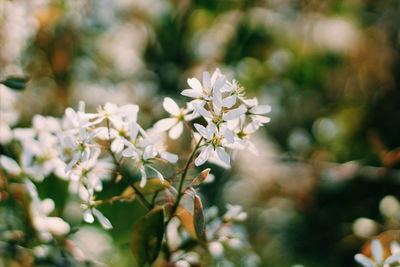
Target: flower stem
x: 183, y: 177
x: 142, y: 199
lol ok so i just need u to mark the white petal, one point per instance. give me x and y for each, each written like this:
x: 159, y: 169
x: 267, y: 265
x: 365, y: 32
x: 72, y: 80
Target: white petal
x: 215, y: 75
x: 219, y: 83
x: 262, y: 109
x: 69, y: 142
x: 395, y: 247
x: 392, y: 259
x: 206, y: 81
x: 204, y: 156
x: 129, y: 152
x: 211, y: 129
x: 191, y: 93
x: 165, y: 124
x: 143, y: 180
x: 377, y: 251
x: 57, y: 226
x: 202, y: 130
x: 234, y: 113
x: 10, y: 165
x: 195, y: 84
x: 71, y: 114
x: 250, y: 102
x: 191, y: 116
x: 169, y: 157
x: 176, y: 131
x: 159, y: 174
x: 170, y: 106
x: 130, y: 112
x: 102, y: 133
x: 83, y: 193
x: 229, y: 101
x: 202, y: 111
x: 133, y: 130
x: 260, y: 119
x: 222, y: 155
x: 72, y: 163
x: 47, y: 205
x: 216, y: 249
x: 229, y: 136
x: 363, y: 260
x: 81, y: 106
x: 117, y: 145
x: 88, y: 217
x: 31, y: 189
x: 251, y: 128
x: 102, y: 219
x: 149, y: 152
x: 85, y: 155
x: 21, y: 133
x: 217, y: 102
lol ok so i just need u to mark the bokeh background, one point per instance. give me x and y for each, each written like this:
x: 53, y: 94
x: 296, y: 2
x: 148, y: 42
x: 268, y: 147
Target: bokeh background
x: 327, y: 178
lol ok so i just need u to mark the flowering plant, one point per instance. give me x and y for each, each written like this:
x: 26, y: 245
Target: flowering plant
x: 90, y: 149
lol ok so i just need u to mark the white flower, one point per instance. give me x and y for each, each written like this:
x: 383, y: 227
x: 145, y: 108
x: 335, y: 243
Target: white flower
x: 142, y: 159
x: 118, y: 135
x: 175, y: 123
x: 205, y: 91
x: 183, y: 259
x: 10, y: 165
x: 255, y: 112
x: 377, y: 254
x: 217, y: 115
x: 395, y: 247
x: 90, y: 213
x: 216, y: 249
x: 39, y: 210
x: 8, y: 113
x: 41, y: 153
x: 234, y: 213
x: 215, y: 139
x: 45, y: 124
x: 116, y: 115
x: 26, y: 167
x: 75, y: 120
x: 241, y: 135
x: 78, y: 146
x: 91, y: 172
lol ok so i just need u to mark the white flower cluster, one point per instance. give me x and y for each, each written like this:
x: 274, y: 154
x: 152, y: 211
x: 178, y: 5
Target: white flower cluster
x: 223, y: 236
x: 230, y: 117
x: 86, y: 148
x: 47, y: 226
x: 9, y: 115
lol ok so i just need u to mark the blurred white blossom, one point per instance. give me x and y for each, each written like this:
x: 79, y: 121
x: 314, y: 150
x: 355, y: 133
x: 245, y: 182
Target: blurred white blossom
x: 377, y: 256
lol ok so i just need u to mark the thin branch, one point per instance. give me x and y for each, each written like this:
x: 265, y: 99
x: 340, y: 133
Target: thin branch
x: 183, y: 177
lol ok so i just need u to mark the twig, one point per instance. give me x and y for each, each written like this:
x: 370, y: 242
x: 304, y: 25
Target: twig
x: 183, y: 177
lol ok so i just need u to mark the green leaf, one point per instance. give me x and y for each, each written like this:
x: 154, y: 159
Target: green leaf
x: 16, y: 82
x: 198, y: 218
x: 147, y: 236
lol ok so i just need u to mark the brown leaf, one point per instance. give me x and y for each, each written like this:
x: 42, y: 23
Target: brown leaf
x: 201, y: 177
x: 199, y: 223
